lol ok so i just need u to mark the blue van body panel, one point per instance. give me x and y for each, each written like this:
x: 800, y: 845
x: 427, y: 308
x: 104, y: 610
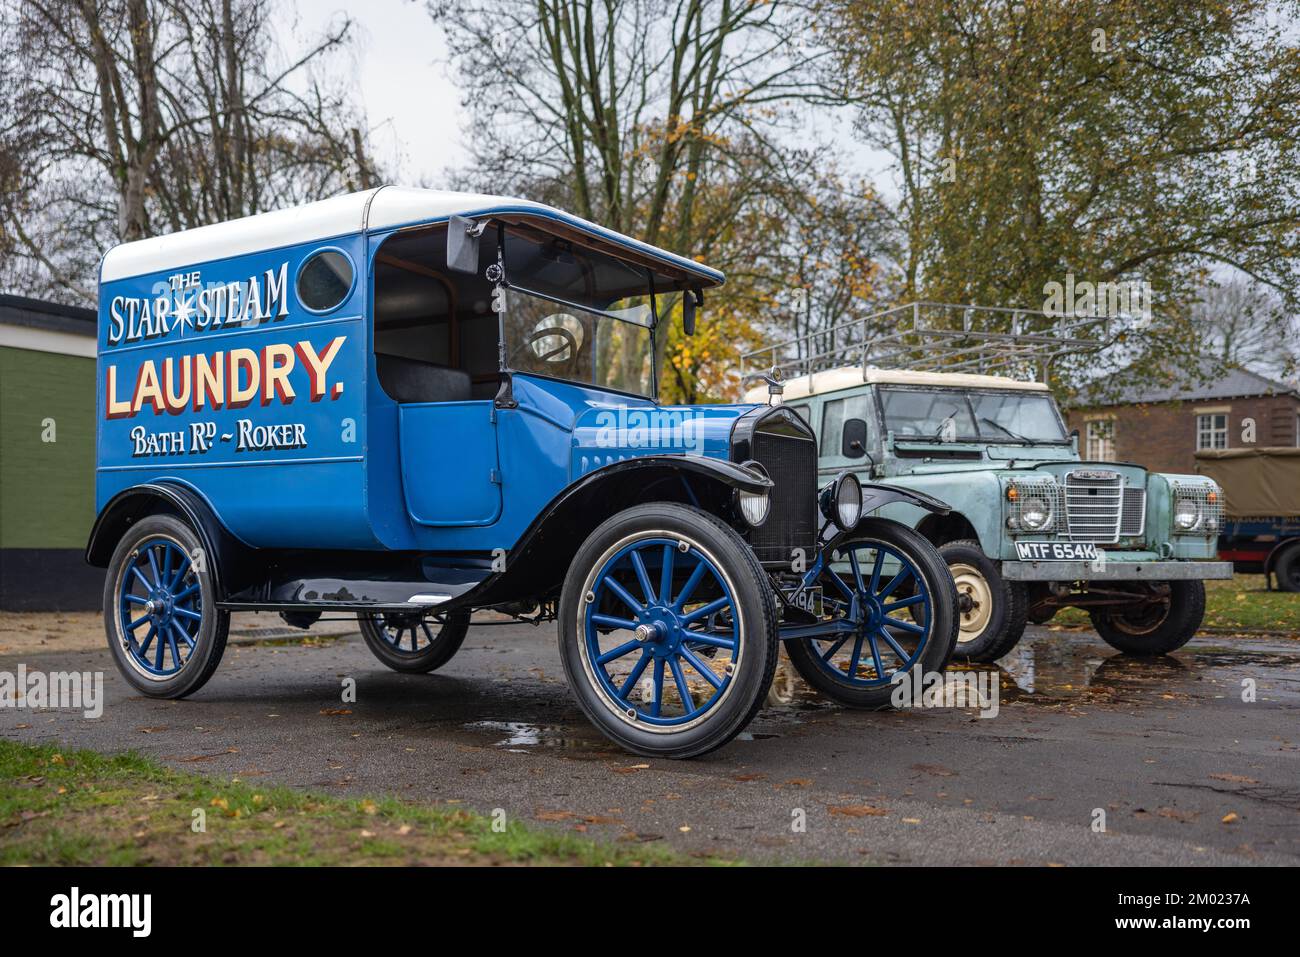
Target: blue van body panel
x: 216, y: 377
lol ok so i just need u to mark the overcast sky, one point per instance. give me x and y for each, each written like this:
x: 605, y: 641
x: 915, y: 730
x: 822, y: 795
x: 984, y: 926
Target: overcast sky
x: 412, y: 106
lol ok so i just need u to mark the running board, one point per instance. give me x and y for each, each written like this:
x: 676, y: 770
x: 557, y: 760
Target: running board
x: 346, y: 594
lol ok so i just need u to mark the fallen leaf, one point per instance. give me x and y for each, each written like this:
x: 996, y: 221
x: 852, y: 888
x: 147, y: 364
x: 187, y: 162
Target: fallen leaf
x: 553, y: 815
x: 685, y: 828
x: 404, y: 830
x: 858, y: 810
x: 1230, y: 817
x: 799, y: 782
x: 937, y: 770
x: 1238, y: 778
x: 209, y: 757
x: 911, y: 820
x: 369, y: 807
x: 335, y: 711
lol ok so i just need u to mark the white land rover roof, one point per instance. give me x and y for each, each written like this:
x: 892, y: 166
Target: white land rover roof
x: 847, y: 377
x: 386, y: 207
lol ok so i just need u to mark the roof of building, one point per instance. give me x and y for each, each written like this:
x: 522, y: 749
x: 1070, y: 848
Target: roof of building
x: 386, y: 207
x: 40, y: 326
x: 1207, y: 383
x: 40, y: 314
x: 848, y: 377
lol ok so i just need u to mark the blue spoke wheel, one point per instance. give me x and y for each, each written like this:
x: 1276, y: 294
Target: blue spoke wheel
x: 892, y: 602
x: 667, y: 630
x: 159, y: 608
x: 411, y: 643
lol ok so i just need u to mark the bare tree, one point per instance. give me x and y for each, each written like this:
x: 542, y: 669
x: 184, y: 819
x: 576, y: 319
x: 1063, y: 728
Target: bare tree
x: 143, y: 116
x: 678, y: 122
x: 1247, y: 325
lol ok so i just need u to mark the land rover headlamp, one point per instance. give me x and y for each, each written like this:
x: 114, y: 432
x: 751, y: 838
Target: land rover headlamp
x: 841, y: 501
x: 754, y: 506
x: 1187, y: 512
x: 1035, y: 514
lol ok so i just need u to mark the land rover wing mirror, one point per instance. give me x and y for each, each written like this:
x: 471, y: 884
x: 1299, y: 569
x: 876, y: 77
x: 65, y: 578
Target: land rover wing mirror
x: 690, y: 302
x: 462, y: 244
x: 853, y: 443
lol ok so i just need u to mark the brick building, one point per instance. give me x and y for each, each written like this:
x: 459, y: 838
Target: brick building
x: 1163, y: 427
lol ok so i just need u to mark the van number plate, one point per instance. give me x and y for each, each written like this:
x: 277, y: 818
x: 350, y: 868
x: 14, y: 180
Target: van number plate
x: 808, y: 599
x: 1056, y: 551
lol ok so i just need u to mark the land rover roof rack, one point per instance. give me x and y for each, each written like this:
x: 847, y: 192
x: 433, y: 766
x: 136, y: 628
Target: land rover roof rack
x: 936, y: 337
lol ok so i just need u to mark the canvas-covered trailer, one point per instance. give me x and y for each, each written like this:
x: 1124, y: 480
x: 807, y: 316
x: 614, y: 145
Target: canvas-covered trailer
x: 1261, y: 529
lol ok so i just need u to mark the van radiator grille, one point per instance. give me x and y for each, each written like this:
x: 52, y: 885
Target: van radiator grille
x: 791, y: 463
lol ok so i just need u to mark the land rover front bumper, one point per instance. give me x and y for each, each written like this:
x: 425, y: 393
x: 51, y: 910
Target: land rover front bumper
x: 1115, y: 569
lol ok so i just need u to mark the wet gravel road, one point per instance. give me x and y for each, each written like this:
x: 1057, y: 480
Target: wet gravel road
x: 1167, y: 749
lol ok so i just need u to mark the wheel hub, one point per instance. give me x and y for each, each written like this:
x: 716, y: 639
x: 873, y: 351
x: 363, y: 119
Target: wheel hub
x: 974, y: 598
x: 659, y: 630
x: 869, y: 613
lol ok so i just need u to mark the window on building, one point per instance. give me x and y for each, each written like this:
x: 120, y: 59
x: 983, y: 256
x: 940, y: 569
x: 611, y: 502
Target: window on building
x: 1212, y: 431
x: 1100, y: 446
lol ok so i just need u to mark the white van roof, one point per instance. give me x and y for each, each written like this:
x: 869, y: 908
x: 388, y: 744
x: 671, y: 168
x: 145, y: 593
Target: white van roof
x: 386, y: 207
x: 847, y: 377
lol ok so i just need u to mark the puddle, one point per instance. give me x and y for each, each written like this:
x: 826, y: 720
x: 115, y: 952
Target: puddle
x: 521, y: 737
x: 1051, y: 670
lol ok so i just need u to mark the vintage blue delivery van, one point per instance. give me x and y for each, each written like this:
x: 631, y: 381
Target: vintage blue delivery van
x: 406, y: 405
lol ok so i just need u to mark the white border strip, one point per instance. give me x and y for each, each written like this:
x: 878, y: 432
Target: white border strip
x: 47, y: 340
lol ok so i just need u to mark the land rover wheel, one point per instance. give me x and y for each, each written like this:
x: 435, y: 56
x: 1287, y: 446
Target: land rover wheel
x: 1163, y: 618
x: 668, y: 631
x: 993, y: 610
x: 164, y: 630
x: 884, y: 571
x: 411, y: 643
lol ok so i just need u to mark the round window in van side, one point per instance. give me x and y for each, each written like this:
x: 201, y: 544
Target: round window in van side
x: 324, y: 280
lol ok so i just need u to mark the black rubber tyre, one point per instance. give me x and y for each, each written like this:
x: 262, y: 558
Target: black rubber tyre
x: 755, y: 655
x: 942, y: 635
x: 1154, y: 629
x: 210, y: 639
x: 441, y: 642
x: 995, y: 619
x: 1287, y: 569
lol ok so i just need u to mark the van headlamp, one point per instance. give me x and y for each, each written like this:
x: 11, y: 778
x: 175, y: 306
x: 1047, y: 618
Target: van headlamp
x: 841, y: 501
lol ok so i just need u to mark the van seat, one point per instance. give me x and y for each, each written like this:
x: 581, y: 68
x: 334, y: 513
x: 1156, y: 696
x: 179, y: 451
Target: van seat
x: 414, y: 380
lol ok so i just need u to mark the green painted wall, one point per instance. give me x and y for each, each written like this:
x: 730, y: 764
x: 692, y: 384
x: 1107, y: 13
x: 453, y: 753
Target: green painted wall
x: 47, y: 489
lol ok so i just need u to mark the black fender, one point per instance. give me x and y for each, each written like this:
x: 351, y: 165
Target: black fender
x: 228, y: 557
x: 876, y: 496
x: 535, y: 567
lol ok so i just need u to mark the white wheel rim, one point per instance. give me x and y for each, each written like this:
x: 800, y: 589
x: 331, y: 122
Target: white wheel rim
x: 969, y: 582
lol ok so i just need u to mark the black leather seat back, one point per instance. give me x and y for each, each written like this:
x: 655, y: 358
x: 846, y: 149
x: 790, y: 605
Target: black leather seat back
x: 413, y: 380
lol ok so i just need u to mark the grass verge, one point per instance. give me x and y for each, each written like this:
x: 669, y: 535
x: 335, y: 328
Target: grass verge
x: 81, y: 807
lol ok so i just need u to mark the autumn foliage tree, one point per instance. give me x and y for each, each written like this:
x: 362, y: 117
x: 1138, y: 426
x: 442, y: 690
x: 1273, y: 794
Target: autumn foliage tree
x: 1142, y: 140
